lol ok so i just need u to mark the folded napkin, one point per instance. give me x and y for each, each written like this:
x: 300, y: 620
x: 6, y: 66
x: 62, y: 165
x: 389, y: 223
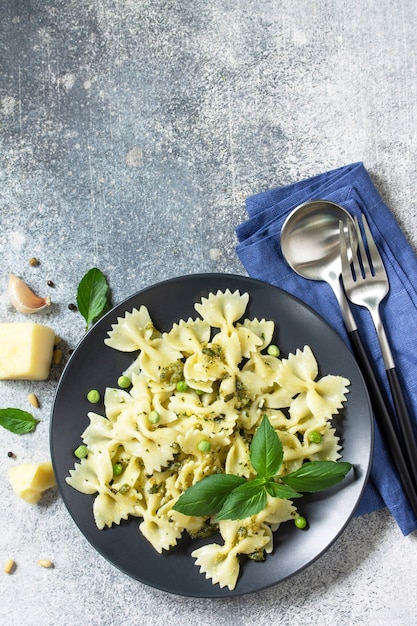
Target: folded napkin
x: 260, y: 252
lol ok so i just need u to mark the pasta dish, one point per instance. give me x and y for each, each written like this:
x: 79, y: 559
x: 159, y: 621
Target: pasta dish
x: 198, y: 393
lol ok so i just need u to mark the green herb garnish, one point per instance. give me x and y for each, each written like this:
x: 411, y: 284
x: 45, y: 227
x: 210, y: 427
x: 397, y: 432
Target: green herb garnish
x: 93, y: 296
x: 228, y: 496
x: 17, y: 421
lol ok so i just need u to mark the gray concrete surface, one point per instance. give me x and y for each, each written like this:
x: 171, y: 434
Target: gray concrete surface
x: 131, y: 133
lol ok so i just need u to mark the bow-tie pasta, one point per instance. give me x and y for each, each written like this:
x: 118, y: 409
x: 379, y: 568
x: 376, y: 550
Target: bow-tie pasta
x: 198, y: 393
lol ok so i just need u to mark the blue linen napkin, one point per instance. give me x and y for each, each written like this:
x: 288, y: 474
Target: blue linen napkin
x: 260, y: 252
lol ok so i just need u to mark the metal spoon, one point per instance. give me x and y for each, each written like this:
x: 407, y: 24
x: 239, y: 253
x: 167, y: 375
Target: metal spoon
x: 310, y: 243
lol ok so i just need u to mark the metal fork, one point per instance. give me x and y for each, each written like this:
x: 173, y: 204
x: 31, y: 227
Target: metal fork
x: 366, y: 284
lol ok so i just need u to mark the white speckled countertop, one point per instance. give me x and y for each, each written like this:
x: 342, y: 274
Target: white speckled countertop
x: 131, y: 133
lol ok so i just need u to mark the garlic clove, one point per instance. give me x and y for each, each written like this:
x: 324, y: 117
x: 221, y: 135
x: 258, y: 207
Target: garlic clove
x: 23, y: 298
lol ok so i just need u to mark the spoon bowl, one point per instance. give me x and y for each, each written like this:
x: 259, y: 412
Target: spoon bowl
x: 310, y: 243
x: 310, y: 239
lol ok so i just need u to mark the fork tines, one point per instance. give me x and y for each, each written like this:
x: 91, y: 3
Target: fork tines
x: 364, y: 276
x: 374, y: 258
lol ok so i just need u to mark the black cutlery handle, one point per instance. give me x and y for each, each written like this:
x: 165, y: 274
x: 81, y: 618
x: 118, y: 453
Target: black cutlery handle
x: 404, y: 421
x: 384, y: 418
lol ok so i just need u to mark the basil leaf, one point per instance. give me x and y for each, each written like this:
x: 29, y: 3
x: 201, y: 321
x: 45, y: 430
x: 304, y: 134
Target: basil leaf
x: 276, y: 490
x: 92, y: 295
x: 266, y: 451
x: 246, y: 500
x: 207, y: 496
x: 317, y: 475
x: 17, y: 421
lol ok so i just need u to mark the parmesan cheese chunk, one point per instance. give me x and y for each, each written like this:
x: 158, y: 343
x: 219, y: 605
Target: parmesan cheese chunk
x: 26, y: 350
x: 30, y: 480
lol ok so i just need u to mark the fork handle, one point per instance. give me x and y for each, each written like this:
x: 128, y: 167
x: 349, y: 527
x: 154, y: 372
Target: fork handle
x: 404, y: 421
x: 383, y: 417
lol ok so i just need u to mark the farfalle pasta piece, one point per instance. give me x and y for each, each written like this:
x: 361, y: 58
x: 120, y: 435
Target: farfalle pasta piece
x: 277, y: 511
x: 255, y: 385
x: 135, y: 331
x: 187, y: 337
x: 157, y: 525
x: 221, y: 563
x: 190, y: 440
x: 298, y: 371
x: 231, y: 348
x: 153, y: 446
x: 207, y: 364
x: 324, y: 397
x: 162, y: 533
x: 115, y: 401
x: 84, y: 477
x: 111, y: 508
x: 298, y: 447
x: 94, y: 473
x: 131, y: 475
x: 328, y: 449
x: 327, y: 396
x: 218, y: 564
x: 99, y: 432
x: 321, y: 401
x: 130, y: 331
x: 255, y: 335
x: 154, y: 357
x: 223, y: 309
x: 263, y: 367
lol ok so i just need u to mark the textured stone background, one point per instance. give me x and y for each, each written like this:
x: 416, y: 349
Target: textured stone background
x: 131, y: 133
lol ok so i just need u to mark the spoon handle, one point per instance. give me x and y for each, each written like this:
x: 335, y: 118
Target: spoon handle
x: 383, y: 415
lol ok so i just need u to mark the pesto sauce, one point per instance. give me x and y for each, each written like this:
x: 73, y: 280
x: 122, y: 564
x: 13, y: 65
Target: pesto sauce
x: 172, y: 373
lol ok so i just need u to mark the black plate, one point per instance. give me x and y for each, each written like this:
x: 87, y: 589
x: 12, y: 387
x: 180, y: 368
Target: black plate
x: 94, y: 365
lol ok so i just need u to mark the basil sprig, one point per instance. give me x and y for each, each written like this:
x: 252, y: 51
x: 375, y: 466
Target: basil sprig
x: 93, y: 296
x: 17, y: 421
x: 227, y: 496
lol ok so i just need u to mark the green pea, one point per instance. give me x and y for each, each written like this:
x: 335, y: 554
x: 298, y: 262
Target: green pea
x: 204, y: 445
x: 93, y: 396
x: 154, y: 417
x: 273, y: 350
x: 182, y: 385
x: 300, y: 521
x: 124, y: 382
x: 81, y: 452
x: 314, y: 437
x: 117, y: 469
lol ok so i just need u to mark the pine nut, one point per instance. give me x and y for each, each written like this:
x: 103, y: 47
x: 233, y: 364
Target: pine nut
x: 33, y: 400
x: 9, y: 566
x: 45, y: 563
x: 57, y: 356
